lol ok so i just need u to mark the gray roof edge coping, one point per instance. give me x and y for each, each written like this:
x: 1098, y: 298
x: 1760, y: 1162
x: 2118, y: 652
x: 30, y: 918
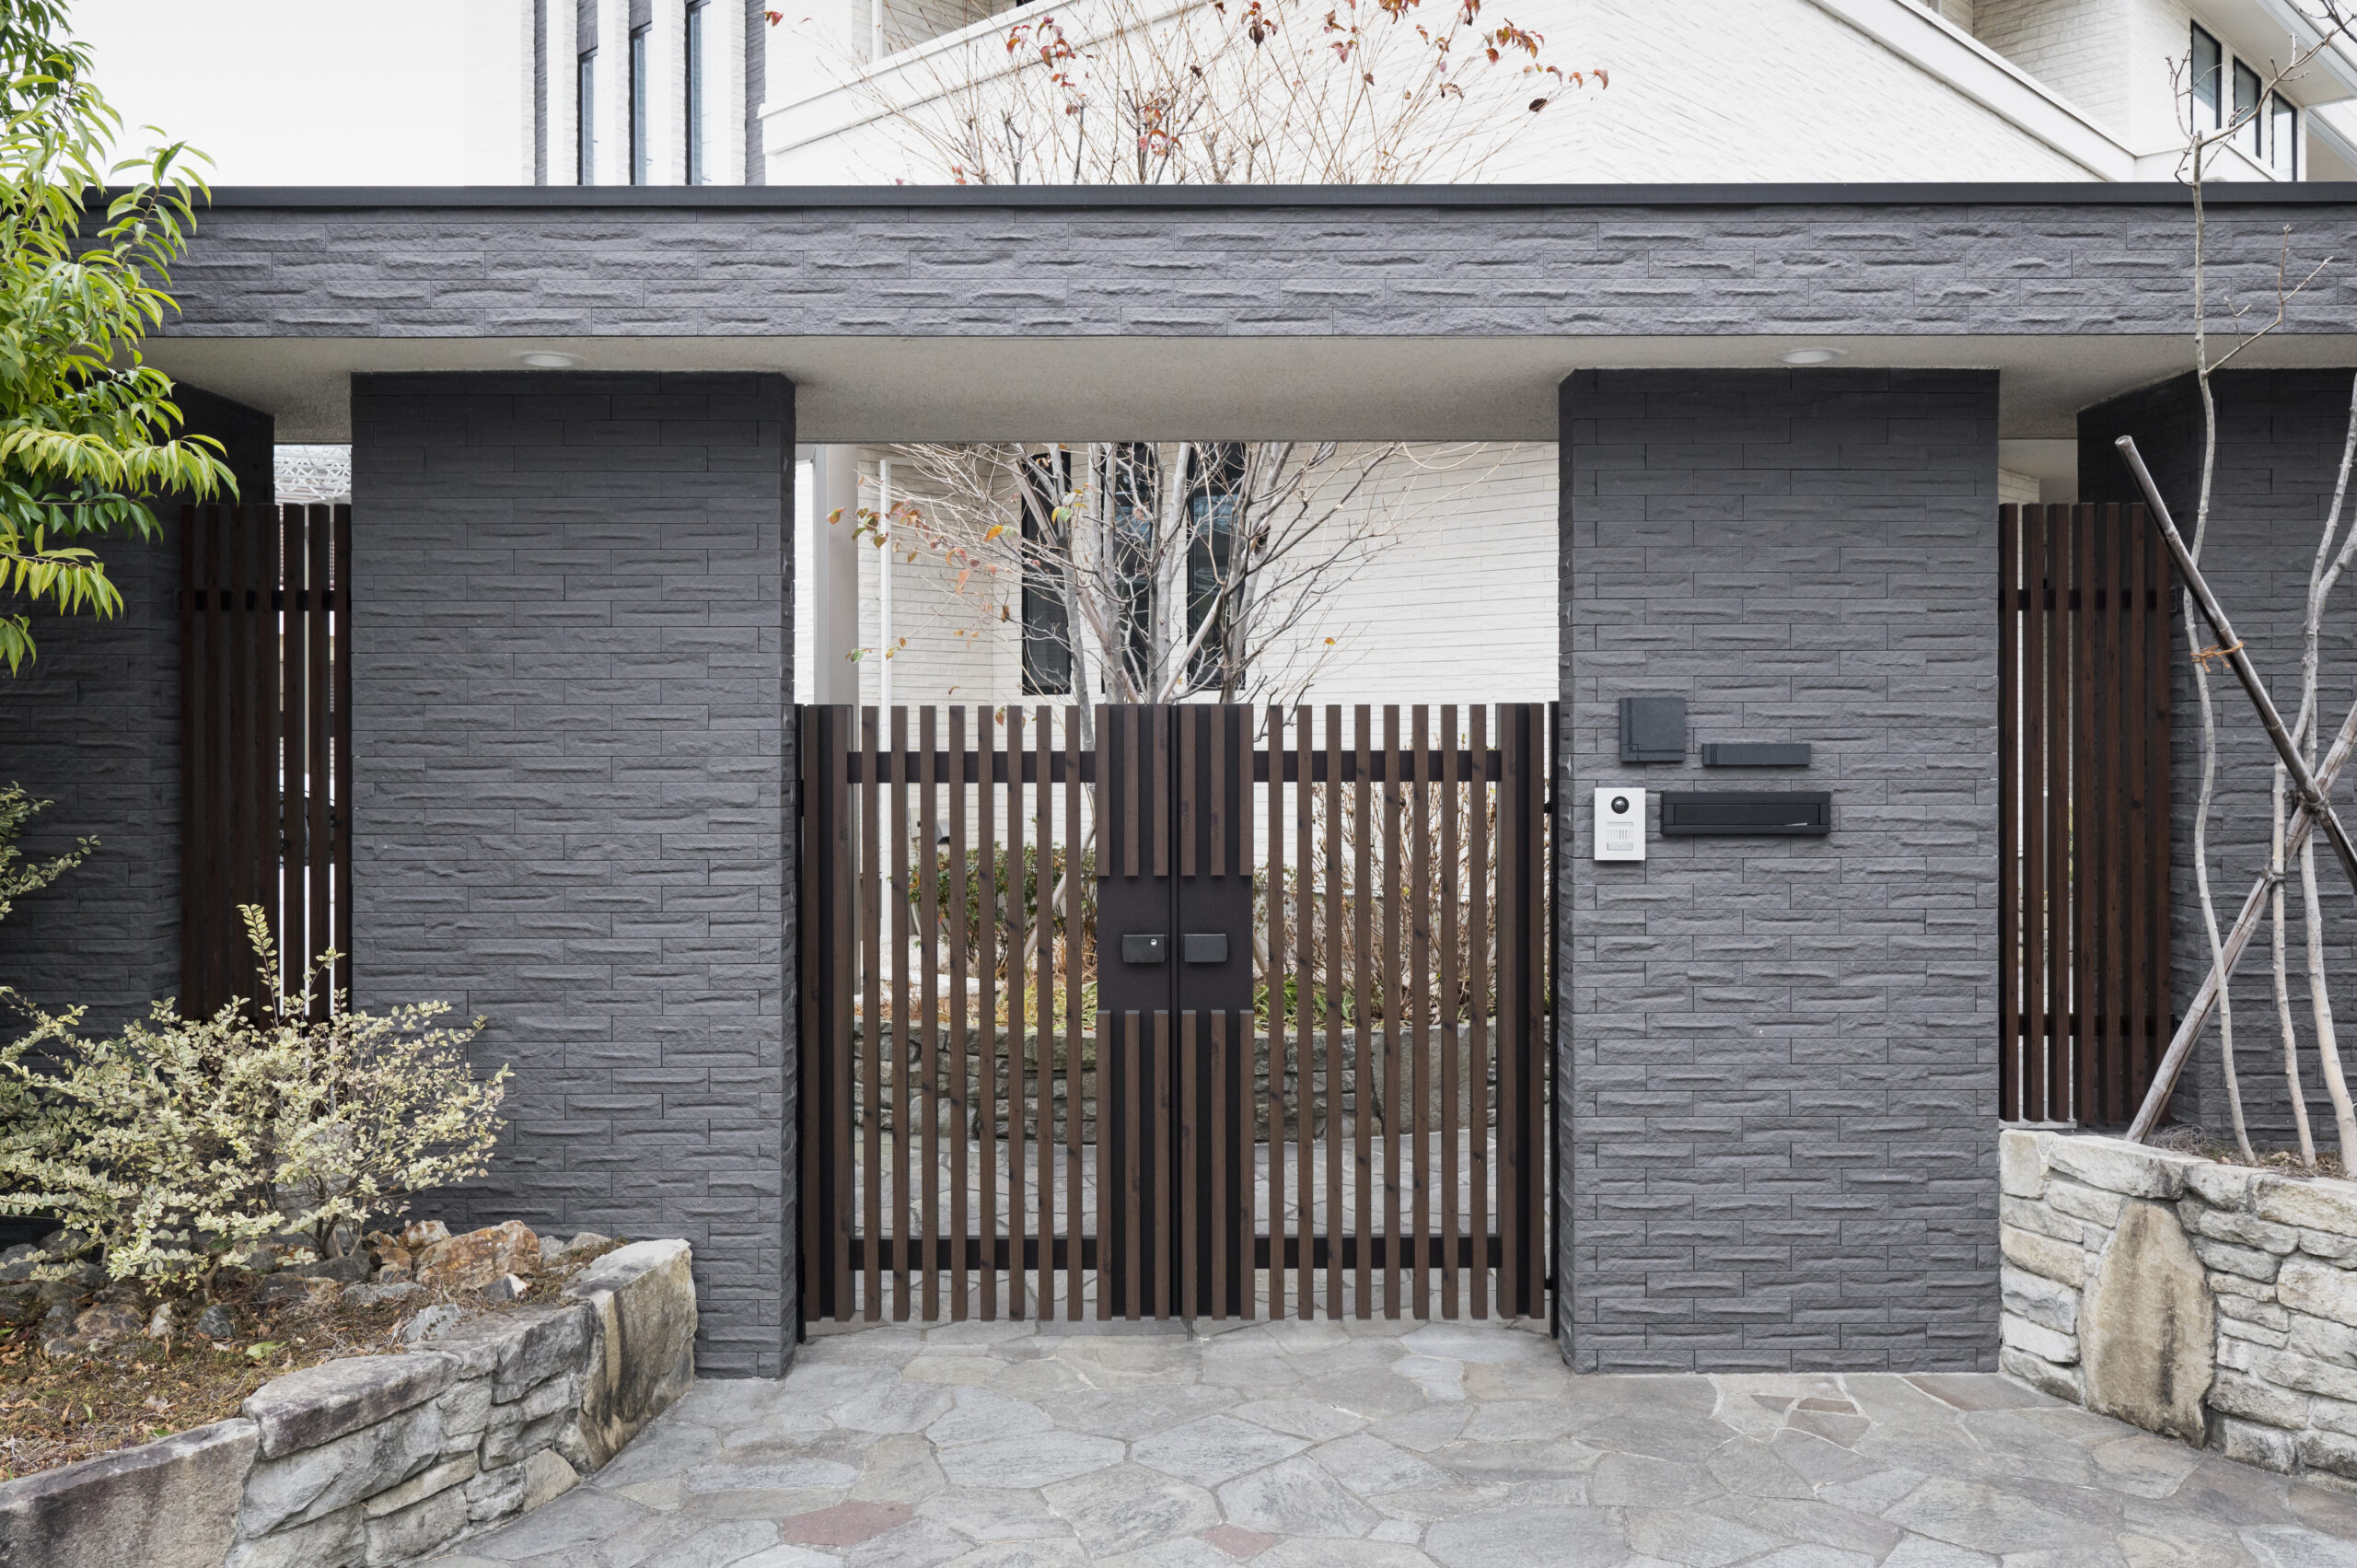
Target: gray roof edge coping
x: 2091, y: 193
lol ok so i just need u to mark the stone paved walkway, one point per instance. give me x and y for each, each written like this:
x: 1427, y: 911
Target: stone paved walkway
x: 1390, y: 1446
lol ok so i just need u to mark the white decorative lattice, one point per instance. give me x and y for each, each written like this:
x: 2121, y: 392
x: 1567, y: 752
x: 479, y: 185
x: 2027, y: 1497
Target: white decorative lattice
x: 313, y: 473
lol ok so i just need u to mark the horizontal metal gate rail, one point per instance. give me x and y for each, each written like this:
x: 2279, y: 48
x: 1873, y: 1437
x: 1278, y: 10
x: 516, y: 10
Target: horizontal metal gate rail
x: 979, y: 1137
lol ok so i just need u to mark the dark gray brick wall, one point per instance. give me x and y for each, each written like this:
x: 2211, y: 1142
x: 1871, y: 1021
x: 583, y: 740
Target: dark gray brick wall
x: 572, y: 727
x: 2279, y: 436
x: 1778, y: 1126
x: 93, y: 723
x: 726, y: 261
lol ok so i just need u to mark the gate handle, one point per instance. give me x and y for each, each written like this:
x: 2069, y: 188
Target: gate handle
x: 1205, y: 946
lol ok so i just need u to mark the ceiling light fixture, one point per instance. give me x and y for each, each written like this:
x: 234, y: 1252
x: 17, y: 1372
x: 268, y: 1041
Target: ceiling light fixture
x: 1810, y: 355
x: 549, y: 359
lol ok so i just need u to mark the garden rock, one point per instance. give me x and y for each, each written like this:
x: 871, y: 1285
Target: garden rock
x: 418, y: 1234
x: 17, y: 1263
x: 160, y: 1325
x: 431, y: 1323
x: 553, y: 1251
x: 217, y: 1322
x: 2148, y: 1332
x: 643, y: 1302
x: 318, y: 1404
x: 169, y: 1503
x: 280, y: 1289
x: 473, y: 1260
x: 108, y: 1320
x: 350, y: 1268
x: 507, y: 1288
x: 381, y: 1292
x: 21, y: 1302
x: 313, y: 1483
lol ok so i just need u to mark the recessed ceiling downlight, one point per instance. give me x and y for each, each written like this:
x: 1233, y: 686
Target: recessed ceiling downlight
x: 549, y: 359
x: 1810, y: 355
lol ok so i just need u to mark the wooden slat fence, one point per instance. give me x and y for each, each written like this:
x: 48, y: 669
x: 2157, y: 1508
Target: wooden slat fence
x: 2083, y: 811
x: 265, y: 737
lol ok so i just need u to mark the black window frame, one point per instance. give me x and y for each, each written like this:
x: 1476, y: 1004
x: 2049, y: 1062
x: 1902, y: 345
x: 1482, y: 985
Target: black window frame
x: 2252, y: 137
x: 638, y: 90
x: 2208, y: 80
x: 698, y: 171
x: 585, y: 106
x: 1046, y: 478
x: 2283, y: 135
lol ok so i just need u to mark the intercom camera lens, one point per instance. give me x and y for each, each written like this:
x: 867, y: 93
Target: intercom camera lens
x: 1620, y: 804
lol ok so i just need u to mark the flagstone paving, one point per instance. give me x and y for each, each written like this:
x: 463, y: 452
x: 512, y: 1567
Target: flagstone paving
x: 1390, y: 1446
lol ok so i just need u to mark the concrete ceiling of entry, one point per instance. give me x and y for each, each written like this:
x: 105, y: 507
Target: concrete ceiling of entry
x: 1097, y: 389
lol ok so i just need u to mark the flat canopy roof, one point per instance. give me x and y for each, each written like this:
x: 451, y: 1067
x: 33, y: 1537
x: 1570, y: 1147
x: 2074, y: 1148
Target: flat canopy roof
x: 1100, y: 312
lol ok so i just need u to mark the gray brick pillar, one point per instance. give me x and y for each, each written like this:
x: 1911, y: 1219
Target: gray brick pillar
x: 93, y: 725
x: 1776, y: 1057
x: 572, y: 730
x: 2280, y: 439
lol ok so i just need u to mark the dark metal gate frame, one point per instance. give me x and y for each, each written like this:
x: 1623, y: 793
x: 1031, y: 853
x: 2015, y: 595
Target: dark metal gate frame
x: 1176, y: 1234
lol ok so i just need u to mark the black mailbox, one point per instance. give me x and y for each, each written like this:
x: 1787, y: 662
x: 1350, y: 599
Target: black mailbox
x: 1800, y: 813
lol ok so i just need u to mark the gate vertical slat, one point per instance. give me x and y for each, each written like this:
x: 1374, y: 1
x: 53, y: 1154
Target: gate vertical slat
x: 871, y: 1064
x: 960, y: 1037
x: 1219, y: 1113
x: 2035, y: 571
x: 1363, y: 934
x: 1043, y: 924
x: 1479, y: 988
x: 2054, y: 998
x: 262, y: 805
x: 1389, y: 976
x: 1420, y: 1007
x: 1018, y: 878
x: 238, y: 740
x: 2094, y: 1088
x: 2127, y: 616
x: 1273, y: 976
x: 342, y: 732
x: 289, y: 883
x: 318, y: 750
x: 2009, y: 968
x: 928, y: 1011
x: 1510, y: 1037
x: 1306, y: 1225
x: 896, y: 895
x: 2109, y: 879
x: 1189, y: 1142
x: 986, y: 1223
x: 196, y: 754
x: 1451, y: 1119
x: 1335, y: 1225
x: 1073, y: 897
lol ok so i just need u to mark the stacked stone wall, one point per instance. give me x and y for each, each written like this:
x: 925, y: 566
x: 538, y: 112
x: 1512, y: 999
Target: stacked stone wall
x: 2212, y: 1302
x: 385, y: 1459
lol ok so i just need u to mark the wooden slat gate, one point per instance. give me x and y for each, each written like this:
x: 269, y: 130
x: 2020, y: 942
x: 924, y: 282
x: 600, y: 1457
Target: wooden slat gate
x: 1278, y: 1043
x: 2083, y: 811
x: 265, y: 743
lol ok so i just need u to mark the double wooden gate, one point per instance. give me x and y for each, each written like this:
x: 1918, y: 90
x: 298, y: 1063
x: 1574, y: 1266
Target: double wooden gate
x: 1174, y: 1012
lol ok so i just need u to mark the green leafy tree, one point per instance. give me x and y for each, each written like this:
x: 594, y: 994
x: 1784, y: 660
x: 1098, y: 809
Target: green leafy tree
x: 86, y: 428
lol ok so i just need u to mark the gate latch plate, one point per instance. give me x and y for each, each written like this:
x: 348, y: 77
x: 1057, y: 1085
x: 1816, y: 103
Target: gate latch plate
x: 1205, y: 948
x: 1143, y: 948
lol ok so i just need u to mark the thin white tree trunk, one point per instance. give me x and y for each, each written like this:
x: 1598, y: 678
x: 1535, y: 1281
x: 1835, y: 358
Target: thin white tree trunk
x: 2284, y: 983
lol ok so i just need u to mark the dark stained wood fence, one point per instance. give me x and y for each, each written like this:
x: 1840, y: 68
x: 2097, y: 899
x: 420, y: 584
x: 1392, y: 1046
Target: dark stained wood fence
x: 265, y: 737
x: 2083, y: 813
x: 1365, y: 1129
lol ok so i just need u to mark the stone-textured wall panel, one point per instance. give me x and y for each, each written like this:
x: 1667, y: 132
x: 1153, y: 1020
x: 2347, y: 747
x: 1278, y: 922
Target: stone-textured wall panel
x: 1502, y: 261
x: 1778, y: 1054
x: 573, y: 735
x: 2280, y: 439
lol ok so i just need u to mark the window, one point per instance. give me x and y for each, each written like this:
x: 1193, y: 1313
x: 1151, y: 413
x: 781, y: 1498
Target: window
x: 696, y: 170
x: 638, y: 106
x: 1136, y: 485
x: 2209, y: 61
x: 1046, y: 620
x: 1211, y: 502
x: 585, y: 132
x: 2252, y: 136
x: 2282, y: 136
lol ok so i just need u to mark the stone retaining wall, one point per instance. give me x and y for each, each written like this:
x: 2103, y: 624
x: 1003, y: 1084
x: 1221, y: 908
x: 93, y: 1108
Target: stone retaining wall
x: 2214, y: 1303
x: 381, y: 1460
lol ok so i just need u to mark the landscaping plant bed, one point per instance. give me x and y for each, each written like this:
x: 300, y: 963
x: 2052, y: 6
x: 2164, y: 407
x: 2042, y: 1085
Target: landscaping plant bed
x: 56, y: 1410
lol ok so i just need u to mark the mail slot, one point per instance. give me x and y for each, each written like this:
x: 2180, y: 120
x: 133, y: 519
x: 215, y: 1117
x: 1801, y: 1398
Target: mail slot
x: 1747, y: 814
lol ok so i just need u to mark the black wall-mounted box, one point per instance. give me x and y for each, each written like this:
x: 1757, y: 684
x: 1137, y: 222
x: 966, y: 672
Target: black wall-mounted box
x: 1652, y: 729
x: 1755, y: 754
x: 1747, y: 814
